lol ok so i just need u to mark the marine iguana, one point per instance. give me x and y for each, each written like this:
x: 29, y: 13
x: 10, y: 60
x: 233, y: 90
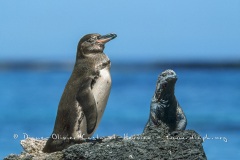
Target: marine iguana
x: 164, y: 105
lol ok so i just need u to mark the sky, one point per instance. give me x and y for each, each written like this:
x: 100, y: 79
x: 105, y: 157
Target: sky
x: 147, y: 30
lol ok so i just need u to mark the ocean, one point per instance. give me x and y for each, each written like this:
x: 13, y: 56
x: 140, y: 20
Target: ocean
x: 210, y: 99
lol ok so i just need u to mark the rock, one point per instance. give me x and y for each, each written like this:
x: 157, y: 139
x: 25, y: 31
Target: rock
x: 155, y: 143
x: 31, y: 145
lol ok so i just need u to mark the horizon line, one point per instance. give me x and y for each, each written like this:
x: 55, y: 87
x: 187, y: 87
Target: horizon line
x: 60, y: 65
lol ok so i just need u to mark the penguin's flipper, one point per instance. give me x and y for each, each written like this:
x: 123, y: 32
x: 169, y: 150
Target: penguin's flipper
x: 87, y: 101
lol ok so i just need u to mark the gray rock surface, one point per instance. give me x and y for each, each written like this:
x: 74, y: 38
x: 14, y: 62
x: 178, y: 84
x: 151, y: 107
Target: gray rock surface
x: 155, y: 143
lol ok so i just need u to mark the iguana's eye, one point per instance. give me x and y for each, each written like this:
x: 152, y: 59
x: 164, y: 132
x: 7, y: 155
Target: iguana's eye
x: 164, y: 74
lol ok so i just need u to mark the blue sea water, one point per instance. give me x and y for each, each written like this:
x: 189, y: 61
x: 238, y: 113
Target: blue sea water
x: 209, y: 98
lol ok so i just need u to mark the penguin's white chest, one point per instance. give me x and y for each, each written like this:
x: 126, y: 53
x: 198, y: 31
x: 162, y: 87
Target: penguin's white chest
x: 101, y: 90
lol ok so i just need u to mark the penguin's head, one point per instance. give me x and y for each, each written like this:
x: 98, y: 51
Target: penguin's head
x: 93, y: 43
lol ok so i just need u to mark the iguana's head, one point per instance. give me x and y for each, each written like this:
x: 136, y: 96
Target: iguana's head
x: 166, y: 82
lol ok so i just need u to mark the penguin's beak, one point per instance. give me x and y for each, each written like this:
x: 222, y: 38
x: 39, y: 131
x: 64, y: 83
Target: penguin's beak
x: 106, y: 38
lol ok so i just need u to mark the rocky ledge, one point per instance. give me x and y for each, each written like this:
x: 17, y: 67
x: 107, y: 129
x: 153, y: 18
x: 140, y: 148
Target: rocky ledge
x: 155, y: 143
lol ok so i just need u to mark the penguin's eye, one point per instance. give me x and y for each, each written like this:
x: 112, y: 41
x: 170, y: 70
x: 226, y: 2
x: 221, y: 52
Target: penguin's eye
x: 90, y: 40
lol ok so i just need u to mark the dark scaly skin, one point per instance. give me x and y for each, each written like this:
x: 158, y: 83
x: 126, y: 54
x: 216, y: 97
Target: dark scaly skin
x: 164, y: 105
